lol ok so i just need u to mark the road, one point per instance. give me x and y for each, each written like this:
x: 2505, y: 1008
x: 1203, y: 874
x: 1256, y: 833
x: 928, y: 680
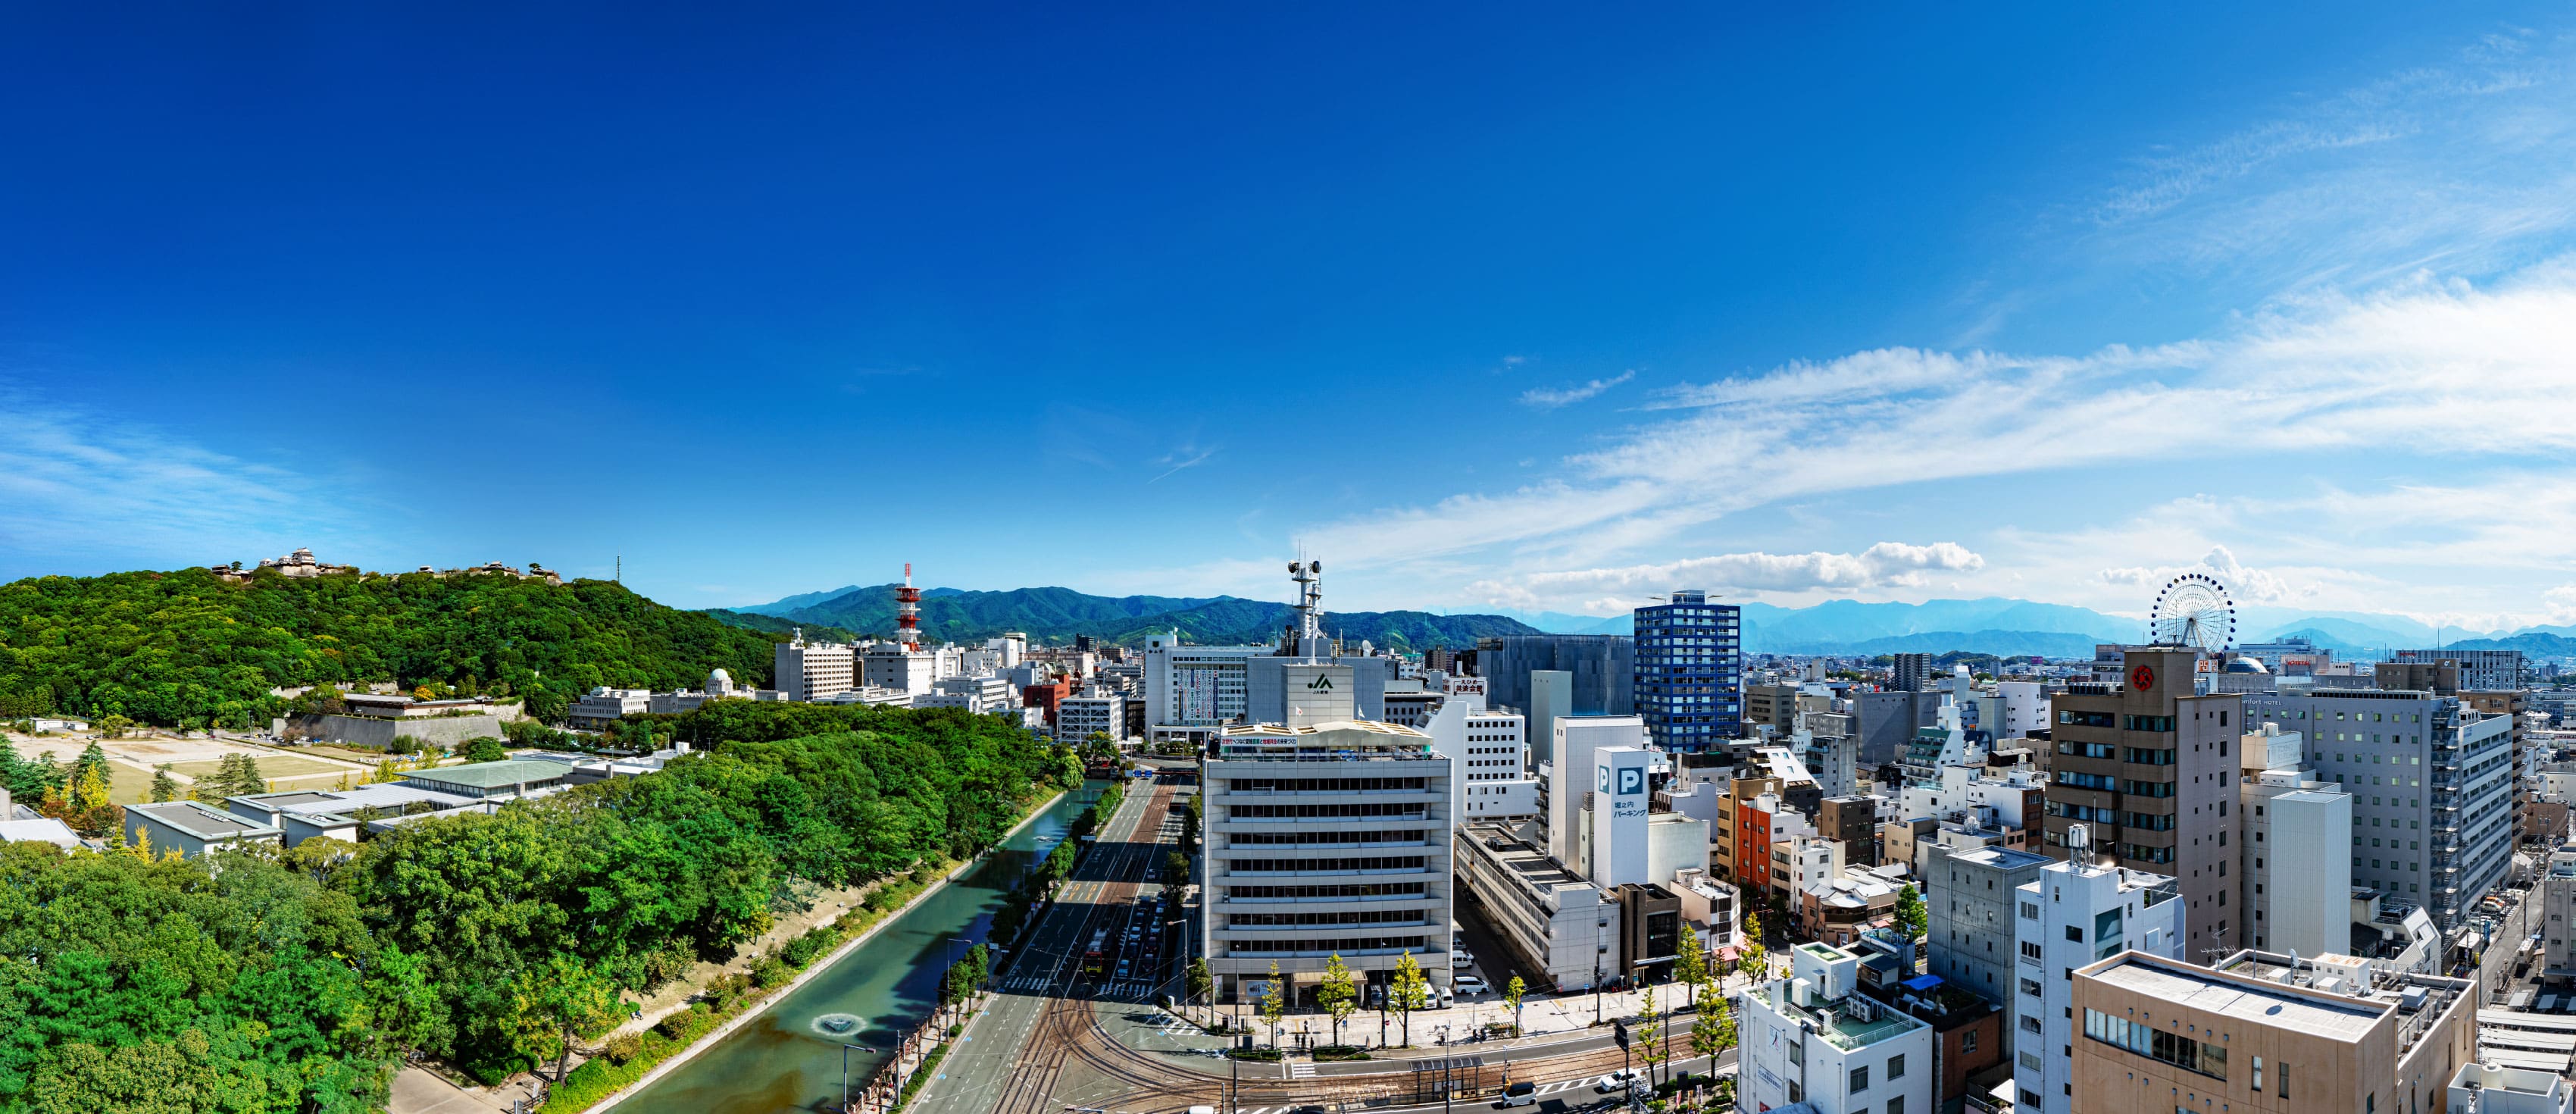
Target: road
x: 1018, y: 1048
x: 1044, y: 1044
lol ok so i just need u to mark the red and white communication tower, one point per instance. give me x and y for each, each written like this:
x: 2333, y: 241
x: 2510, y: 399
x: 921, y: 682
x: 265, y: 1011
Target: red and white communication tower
x: 907, y: 612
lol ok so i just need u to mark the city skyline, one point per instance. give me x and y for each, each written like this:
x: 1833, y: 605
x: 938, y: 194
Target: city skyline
x: 1526, y: 317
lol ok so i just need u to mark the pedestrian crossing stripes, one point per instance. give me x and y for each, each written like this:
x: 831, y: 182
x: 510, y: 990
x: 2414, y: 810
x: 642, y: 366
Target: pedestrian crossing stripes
x: 1301, y: 1069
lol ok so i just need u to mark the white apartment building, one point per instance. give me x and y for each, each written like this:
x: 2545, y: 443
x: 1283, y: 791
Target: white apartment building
x: 1555, y: 922
x: 1077, y: 717
x: 990, y: 694
x: 603, y: 706
x: 1814, y: 1038
x: 1324, y: 839
x: 887, y: 665
x: 1569, y: 771
x: 814, y: 670
x: 2431, y: 781
x: 2077, y: 914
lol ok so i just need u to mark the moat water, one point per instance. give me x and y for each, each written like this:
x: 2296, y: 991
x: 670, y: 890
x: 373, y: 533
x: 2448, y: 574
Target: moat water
x: 788, y: 1058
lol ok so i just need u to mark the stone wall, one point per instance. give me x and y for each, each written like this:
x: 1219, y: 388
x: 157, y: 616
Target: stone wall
x: 377, y: 734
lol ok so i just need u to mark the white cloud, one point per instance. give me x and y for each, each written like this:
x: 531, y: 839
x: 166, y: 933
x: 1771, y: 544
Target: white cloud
x: 1887, y: 564
x: 73, y: 481
x: 2244, y: 583
x: 1549, y: 398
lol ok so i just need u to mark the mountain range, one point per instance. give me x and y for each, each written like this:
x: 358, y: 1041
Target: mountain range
x: 1995, y: 625
x: 1056, y: 614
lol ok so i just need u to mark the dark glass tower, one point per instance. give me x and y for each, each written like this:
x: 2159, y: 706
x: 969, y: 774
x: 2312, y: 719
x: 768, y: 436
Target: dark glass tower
x: 1690, y: 672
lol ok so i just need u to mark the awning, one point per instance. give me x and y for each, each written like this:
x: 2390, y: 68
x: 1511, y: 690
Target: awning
x: 1922, y: 982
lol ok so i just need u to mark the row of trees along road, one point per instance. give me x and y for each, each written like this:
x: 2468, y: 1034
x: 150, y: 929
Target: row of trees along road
x: 293, y: 982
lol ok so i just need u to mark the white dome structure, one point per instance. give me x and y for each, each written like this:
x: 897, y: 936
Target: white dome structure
x: 719, y: 683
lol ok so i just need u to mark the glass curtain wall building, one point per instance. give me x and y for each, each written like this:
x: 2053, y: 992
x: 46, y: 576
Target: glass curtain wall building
x: 1690, y: 672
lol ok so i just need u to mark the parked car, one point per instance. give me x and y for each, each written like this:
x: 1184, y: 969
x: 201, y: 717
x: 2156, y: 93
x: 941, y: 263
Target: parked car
x: 1458, y: 957
x: 1470, y: 984
x: 1523, y: 1093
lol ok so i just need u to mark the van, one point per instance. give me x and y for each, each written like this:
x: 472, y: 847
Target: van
x: 1523, y: 1093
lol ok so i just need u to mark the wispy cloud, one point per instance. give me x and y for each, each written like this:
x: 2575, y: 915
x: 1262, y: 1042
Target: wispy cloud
x: 1183, y: 457
x: 77, y: 481
x: 1887, y: 564
x: 1549, y: 398
x: 2427, y: 367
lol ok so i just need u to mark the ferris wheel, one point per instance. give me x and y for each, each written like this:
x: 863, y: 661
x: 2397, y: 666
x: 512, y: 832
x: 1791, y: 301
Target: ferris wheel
x: 2193, y: 610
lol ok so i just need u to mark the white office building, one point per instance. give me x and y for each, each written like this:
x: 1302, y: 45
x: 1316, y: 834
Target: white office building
x: 1814, y: 1038
x: 814, y: 670
x: 2075, y: 915
x: 1491, y: 756
x: 2296, y: 878
x: 1193, y: 687
x: 1569, y: 774
x: 1322, y: 839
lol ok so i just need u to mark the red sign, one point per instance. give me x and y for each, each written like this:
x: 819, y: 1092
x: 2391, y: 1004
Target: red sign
x: 2142, y: 678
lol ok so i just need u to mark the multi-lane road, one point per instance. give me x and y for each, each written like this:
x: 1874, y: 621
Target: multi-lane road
x: 1042, y: 1046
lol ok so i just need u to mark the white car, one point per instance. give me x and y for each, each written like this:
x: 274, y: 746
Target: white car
x: 1616, y: 1082
x: 1458, y: 957
x: 1470, y: 984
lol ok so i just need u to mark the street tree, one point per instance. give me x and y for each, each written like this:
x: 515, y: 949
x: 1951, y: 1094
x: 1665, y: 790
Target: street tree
x: 1199, y: 981
x: 164, y: 786
x: 1338, y: 995
x: 1714, y: 1032
x: 1513, y: 992
x: 1408, y: 991
x: 1690, y: 964
x: 1274, y: 1005
x: 1650, y: 1031
x: 1755, y: 957
x: 553, y: 1002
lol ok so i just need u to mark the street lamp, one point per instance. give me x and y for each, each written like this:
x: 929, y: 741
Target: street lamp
x: 846, y: 1049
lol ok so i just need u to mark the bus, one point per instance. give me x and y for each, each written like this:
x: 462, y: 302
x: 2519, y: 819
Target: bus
x: 1095, y: 959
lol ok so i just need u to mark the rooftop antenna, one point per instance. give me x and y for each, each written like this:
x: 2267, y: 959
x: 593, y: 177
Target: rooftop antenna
x: 907, y: 612
x: 621, y: 570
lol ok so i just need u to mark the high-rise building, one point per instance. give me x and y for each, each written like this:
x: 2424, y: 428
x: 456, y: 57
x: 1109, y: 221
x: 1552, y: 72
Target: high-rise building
x: 1689, y: 672
x: 2431, y: 782
x: 2076, y: 914
x: 2152, y: 769
x: 1909, y: 672
x: 1324, y: 839
x: 2479, y: 669
x: 2266, y: 1031
x: 1603, y: 668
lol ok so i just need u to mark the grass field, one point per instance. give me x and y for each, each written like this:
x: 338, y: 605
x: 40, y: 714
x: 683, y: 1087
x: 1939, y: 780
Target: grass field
x: 283, y: 771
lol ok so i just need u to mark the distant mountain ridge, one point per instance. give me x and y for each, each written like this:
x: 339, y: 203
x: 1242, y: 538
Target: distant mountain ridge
x: 1993, y: 625
x: 1056, y: 614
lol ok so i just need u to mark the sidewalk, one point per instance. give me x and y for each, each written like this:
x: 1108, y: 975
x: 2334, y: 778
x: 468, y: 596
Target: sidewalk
x: 1543, y: 1020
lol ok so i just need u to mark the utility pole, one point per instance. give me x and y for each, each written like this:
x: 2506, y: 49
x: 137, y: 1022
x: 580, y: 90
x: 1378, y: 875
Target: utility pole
x: 845, y: 1072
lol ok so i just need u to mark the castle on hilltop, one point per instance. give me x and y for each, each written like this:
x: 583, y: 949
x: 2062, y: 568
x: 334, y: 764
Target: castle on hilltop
x: 302, y: 563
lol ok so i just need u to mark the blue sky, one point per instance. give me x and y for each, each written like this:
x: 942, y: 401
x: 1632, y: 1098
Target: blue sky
x: 1489, y: 306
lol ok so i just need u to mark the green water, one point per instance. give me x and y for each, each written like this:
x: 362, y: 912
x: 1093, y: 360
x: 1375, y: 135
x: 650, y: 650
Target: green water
x: 782, y: 1060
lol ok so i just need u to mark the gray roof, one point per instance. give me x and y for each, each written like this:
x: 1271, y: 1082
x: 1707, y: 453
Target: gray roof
x: 490, y: 775
x: 202, y: 820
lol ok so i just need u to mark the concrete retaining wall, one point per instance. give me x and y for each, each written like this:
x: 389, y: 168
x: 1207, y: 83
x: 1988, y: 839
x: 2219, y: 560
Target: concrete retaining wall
x: 377, y: 734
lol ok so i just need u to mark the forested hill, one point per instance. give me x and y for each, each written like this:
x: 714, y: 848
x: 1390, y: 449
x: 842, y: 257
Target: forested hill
x: 188, y: 648
x: 1055, y: 614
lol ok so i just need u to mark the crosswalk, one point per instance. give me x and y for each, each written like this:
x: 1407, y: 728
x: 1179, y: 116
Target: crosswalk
x: 1301, y: 1069
x: 1137, y: 989
x: 1174, y: 1027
